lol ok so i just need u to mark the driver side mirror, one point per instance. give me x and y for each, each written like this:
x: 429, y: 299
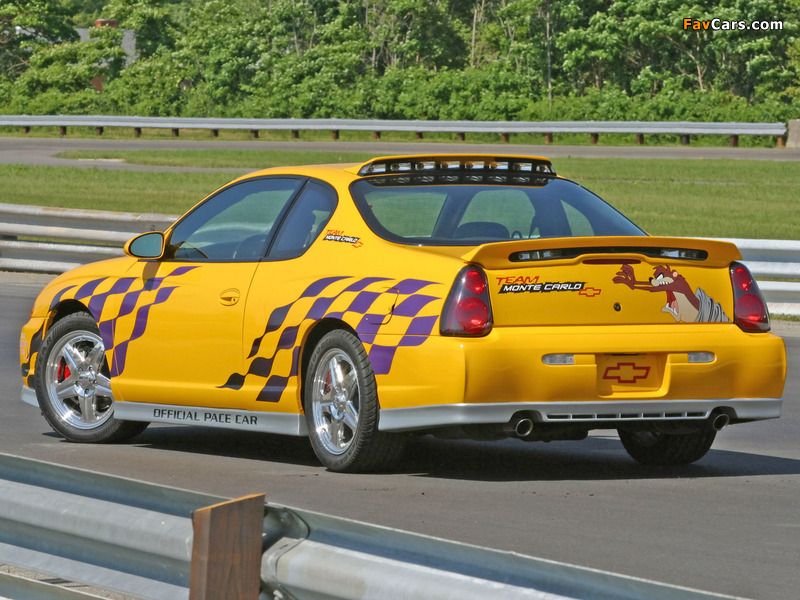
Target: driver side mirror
x: 146, y: 245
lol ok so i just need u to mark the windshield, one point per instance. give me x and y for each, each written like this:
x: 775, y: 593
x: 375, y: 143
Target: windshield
x: 462, y: 215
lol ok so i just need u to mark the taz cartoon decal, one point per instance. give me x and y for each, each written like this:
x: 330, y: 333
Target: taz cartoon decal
x: 685, y: 305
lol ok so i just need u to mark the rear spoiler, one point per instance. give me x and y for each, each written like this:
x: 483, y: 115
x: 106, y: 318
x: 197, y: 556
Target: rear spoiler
x: 669, y: 250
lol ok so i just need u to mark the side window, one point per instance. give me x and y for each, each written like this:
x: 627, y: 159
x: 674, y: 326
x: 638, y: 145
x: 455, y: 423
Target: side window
x: 235, y: 224
x: 305, y: 220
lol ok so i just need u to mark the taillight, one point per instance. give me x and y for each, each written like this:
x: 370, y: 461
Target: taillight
x: 468, y: 310
x: 749, y: 307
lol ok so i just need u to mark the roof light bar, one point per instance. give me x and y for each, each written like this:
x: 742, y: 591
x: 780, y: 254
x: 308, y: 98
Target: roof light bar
x: 483, y: 165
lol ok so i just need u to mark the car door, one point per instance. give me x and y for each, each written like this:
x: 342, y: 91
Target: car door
x: 286, y: 284
x: 186, y: 339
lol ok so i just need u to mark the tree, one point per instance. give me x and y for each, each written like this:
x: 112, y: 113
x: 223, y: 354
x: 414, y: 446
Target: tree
x: 25, y: 26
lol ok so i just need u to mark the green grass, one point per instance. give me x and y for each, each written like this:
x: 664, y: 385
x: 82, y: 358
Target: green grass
x: 127, y: 191
x: 221, y: 159
x: 714, y: 198
x: 710, y: 198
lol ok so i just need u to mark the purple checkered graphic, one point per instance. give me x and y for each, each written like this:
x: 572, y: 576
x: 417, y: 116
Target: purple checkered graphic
x: 367, y: 329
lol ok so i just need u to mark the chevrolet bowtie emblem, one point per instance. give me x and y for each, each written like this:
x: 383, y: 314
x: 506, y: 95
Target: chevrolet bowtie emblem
x: 626, y: 372
x: 589, y: 292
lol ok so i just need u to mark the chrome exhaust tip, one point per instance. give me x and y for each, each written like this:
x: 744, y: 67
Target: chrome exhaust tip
x: 719, y: 422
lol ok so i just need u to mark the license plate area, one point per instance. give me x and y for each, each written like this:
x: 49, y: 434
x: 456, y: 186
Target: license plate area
x: 625, y: 373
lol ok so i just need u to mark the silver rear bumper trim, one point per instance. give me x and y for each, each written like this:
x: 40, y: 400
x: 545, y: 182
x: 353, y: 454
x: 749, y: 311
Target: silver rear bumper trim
x: 426, y: 417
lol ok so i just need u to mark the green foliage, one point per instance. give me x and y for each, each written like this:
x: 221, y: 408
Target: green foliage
x: 408, y: 59
x: 60, y: 77
x: 30, y: 25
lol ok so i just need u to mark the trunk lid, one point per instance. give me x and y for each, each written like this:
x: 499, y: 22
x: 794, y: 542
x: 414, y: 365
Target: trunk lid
x: 608, y: 280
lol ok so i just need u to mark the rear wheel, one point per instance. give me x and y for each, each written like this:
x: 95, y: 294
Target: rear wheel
x: 657, y: 448
x: 342, y: 410
x: 73, y: 385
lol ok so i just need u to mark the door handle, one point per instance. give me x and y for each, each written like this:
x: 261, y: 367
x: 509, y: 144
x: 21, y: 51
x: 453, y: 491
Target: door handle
x: 229, y: 297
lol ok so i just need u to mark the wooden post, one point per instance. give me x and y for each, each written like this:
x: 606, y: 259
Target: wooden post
x: 734, y: 141
x: 226, y: 551
x: 640, y: 138
x: 62, y: 130
x: 594, y: 137
x: 176, y: 132
x: 684, y: 139
x: 254, y: 134
x: 335, y: 134
x: 295, y: 134
x: 98, y: 130
x: 215, y: 133
x: 781, y: 141
x: 548, y: 138
x: 461, y: 136
x: 418, y: 135
x: 504, y: 137
x: 137, y: 132
x: 26, y: 130
x: 376, y: 135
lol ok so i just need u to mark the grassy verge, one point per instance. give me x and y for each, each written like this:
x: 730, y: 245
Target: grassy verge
x: 126, y: 191
x: 716, y: 198
x: 221, y: 159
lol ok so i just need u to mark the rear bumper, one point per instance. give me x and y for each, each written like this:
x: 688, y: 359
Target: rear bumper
x: 592, y: 415
x: 691, y: 371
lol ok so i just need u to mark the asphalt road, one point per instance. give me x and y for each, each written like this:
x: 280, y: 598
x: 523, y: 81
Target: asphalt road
x: 729, y: 524
x: 42, y: 151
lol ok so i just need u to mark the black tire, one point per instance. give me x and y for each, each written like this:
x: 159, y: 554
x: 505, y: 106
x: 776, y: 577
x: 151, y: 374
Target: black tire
x: 340, y: 399
x: 73, y: 387
x: 656, y: 448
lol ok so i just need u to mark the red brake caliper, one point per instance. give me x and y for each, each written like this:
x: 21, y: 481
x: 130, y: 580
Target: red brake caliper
x: 63, y: 370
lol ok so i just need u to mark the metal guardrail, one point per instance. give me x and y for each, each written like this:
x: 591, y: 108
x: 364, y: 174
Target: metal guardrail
x: 137, y: 538
x: 42, y: 239
x: 460, y: 128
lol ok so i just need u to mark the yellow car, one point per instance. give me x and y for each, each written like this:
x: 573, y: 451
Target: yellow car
x: 475, y: 296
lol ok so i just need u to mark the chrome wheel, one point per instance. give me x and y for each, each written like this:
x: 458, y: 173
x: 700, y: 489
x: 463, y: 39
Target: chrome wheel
x: 340, y: 398
x: 335, y: 401
x: 73, y: 385
x: 77, y: 384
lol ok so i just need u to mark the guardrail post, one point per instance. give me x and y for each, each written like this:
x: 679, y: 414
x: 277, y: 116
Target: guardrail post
x: 254, y: 134
x: 176, y: 132
x: 137, y: 132
x: 62, y: 130
x: 505, y: 137
x: 548, y: 138
x: 227, y: 548
x: 793, y: 131
x: 376, y: 135
x: 640, y: 139
x: 215, y: 133
x: 26, y: 130
x: 335, y: 134
x: 594, y: 137
x: 734, y: 141
x: 98, y: 130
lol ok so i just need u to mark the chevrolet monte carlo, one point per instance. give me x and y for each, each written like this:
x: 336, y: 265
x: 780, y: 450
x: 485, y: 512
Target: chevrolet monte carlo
x: 472, y: 296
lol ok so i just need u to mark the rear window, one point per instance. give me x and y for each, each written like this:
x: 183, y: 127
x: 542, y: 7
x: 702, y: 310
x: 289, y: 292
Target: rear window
x: 461, y: 215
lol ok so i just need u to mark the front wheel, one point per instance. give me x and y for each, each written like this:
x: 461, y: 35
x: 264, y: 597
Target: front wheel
x: 657, y: 448
x: 73, y: 385
x: 342, y: 410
